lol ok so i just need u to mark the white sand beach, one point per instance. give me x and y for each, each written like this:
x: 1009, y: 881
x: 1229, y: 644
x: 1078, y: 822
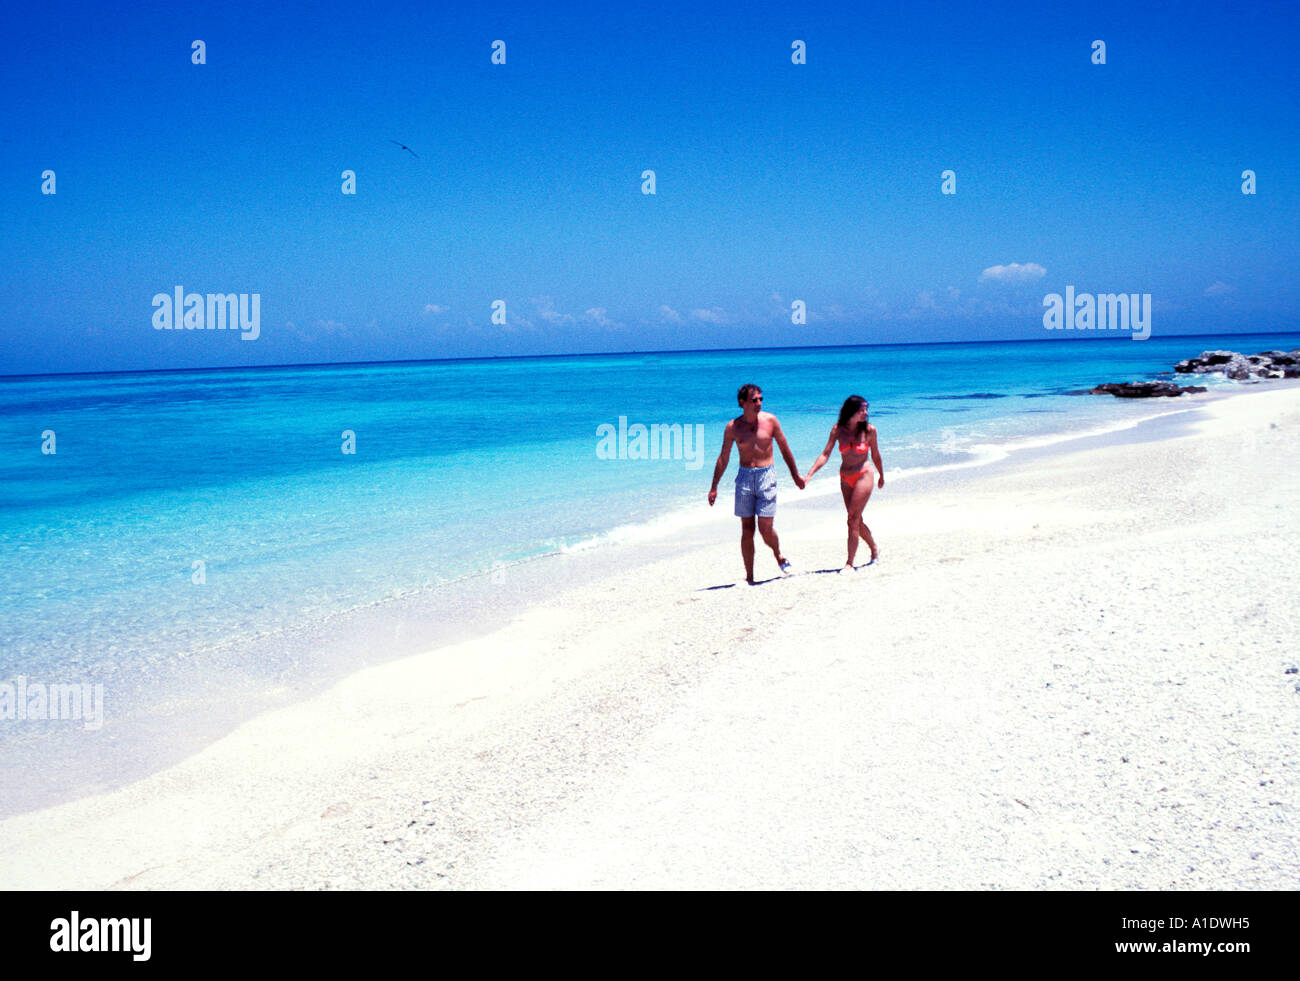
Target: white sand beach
x: 1068, y: 671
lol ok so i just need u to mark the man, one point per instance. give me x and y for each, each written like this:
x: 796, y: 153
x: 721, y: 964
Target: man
x: 753, y: 431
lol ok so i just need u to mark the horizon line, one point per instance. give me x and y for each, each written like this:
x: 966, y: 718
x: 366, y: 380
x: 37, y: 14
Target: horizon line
x: 608, y: 354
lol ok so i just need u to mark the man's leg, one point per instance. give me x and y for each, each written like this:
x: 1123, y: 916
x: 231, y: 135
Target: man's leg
x: 747, y: 546
x: 769, y: 536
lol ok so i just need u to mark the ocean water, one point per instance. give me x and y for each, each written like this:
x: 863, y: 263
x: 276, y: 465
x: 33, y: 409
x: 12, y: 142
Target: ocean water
x: 461, y: 470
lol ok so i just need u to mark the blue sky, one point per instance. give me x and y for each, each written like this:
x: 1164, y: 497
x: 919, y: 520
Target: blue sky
x: 774, y: 181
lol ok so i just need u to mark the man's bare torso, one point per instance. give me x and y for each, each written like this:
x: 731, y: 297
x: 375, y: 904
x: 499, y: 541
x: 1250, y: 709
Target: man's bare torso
x: 754, y: 440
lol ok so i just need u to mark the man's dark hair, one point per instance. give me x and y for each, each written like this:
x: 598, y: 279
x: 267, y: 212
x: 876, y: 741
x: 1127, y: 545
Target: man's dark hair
x: 746, y: 391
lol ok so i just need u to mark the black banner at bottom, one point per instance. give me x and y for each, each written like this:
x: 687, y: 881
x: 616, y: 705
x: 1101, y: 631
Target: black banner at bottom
x: 144, y: 931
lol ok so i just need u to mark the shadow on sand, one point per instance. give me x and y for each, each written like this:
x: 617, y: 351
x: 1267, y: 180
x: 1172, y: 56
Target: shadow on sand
x: 764, y: 582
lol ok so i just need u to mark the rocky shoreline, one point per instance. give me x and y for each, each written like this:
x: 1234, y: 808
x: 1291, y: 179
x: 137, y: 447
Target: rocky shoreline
x: 1244, y: 368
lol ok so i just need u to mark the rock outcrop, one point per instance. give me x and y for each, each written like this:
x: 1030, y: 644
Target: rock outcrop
x: 1144, y: 390
x: 1242, y: 367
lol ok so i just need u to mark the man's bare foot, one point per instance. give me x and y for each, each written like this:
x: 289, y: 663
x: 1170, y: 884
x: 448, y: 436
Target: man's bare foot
x: 848, y: 568
x: 786, y: 568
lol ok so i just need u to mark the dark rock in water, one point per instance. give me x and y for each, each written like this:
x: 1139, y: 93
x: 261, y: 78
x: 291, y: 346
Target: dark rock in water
x: 1209, y: 361
x: 972, y: 395
x: 1239, y: 369
x: 1264, y: 366
x: 1144, y: 390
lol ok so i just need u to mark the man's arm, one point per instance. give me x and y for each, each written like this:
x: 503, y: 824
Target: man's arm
x: 728, y: 437
x: 779, y: 435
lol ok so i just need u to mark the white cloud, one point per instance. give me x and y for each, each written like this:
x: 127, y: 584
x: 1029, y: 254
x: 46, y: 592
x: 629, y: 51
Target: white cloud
x: 669, y: 314
x: 514, y: 321
x: 1014, y: 272
x: 318, y: 330
x: 1219, y: 288
x: 714, y: 315
x: 834, y: 313
x: 949, y: 302
x: 546, y: 310
x: 596, y: 315
x: 434, y: 308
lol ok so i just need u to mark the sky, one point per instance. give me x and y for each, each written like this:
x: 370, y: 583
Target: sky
x: 775, y: 182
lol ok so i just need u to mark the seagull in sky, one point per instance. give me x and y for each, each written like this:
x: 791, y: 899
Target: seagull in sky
x: 406, y: 148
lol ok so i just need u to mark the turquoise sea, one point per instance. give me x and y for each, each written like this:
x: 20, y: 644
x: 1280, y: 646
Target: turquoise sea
x: 188, y: 519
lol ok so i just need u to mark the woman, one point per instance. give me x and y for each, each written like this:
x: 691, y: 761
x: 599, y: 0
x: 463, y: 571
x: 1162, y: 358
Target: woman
x: 859, y: 449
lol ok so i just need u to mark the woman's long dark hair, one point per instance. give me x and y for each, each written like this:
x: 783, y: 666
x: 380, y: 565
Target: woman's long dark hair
x: 849, y: 409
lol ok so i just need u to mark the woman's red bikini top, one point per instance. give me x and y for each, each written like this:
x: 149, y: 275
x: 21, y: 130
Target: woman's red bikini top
x: 860, y: 447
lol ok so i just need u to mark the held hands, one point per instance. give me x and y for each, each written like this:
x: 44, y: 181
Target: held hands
x: 800, y: 482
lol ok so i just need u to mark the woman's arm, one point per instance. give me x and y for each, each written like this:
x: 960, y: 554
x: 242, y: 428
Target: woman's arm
x: 826, y: 455
x: 875, y: 458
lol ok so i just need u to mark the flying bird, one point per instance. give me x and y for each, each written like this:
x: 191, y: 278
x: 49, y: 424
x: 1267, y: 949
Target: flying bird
x: 406, y: 148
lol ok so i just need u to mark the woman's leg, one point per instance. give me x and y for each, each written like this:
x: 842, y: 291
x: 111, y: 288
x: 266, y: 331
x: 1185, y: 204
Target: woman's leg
x: 866, y: 537
x: 847, y: 492
x: 856, y: 502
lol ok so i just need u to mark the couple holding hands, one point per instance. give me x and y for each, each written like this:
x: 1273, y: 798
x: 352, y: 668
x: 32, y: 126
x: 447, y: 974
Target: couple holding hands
x: 754, y: 432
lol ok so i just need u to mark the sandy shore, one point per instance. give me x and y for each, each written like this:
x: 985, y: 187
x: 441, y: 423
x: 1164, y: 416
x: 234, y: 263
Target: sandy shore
x: 1066, y: 672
